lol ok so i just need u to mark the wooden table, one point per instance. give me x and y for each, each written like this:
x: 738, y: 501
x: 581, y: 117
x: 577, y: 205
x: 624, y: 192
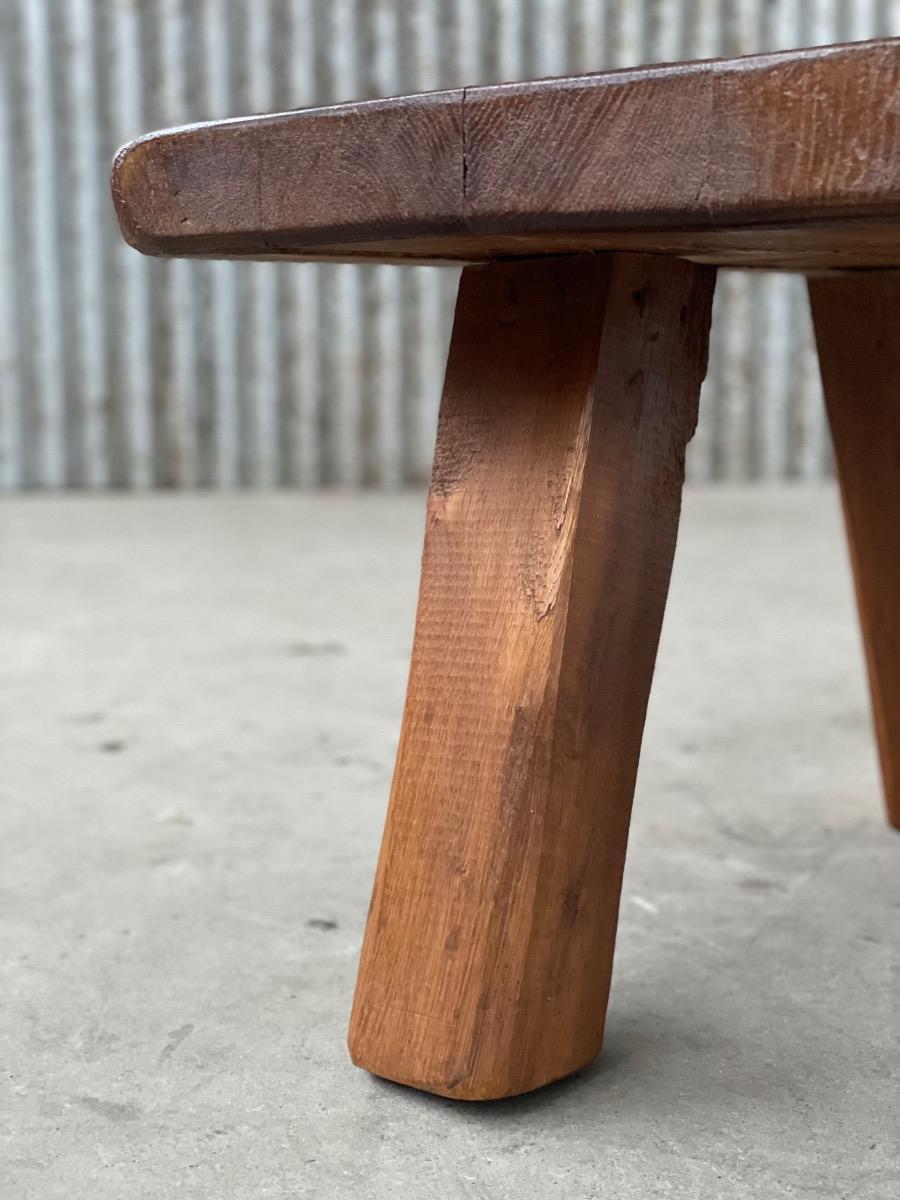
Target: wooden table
x: 591, y: 214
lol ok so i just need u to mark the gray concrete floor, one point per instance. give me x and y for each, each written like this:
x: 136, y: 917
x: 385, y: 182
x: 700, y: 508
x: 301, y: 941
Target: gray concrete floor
x: 200, y: 706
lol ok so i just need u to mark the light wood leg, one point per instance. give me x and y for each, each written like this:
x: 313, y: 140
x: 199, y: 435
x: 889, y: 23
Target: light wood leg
x: 857, y: 322
x: 570, y: 395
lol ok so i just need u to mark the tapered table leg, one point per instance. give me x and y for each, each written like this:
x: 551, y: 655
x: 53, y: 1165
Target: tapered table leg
x: 857, y: 322
x: 570, y: 395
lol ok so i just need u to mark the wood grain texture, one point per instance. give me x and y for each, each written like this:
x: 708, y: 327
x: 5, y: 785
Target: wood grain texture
x: 857, y: 324
x: 681, y: 157
x: 245, y: 187
x: 570, y: 395
x: 802, y: 135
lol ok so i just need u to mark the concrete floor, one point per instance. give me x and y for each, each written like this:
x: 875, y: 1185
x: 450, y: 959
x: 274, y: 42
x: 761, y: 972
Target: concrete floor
x: 200, y: 706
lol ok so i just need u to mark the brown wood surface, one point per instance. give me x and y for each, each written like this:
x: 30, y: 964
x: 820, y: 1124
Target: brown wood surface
x: 857, y: 322
x: 810, y: 248
x: 570, y: 395
x: 783, y: 160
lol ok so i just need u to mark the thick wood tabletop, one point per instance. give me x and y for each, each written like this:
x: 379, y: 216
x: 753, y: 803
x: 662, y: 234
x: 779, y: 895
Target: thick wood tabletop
x: 789, y: 161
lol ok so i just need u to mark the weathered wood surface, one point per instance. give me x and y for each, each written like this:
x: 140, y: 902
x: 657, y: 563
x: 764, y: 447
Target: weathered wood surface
x: 857, y: 323
x: 782, y: 160
x: 570, y: 395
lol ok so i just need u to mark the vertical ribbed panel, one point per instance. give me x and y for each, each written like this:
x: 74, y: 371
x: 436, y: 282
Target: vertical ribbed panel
x: 117, y: 371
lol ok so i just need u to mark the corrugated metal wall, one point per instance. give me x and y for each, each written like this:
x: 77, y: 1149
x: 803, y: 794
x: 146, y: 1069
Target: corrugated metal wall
x: 118, y: 371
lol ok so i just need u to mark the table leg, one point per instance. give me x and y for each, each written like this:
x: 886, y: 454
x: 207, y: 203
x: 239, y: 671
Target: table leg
x: 570, y: 395
x: 857, y: 322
